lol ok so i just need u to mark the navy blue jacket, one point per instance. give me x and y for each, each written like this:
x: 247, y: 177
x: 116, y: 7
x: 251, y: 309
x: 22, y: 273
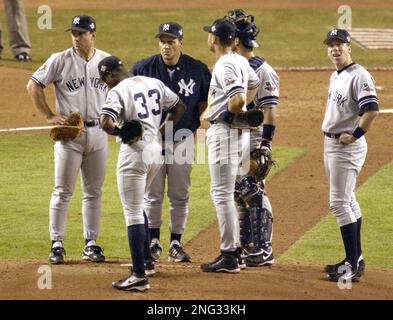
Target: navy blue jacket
x: 190, y: 82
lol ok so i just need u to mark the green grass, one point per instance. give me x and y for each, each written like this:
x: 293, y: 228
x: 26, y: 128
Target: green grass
x: 26, y: 182
x: 323, y: 243
x: 288, y: 37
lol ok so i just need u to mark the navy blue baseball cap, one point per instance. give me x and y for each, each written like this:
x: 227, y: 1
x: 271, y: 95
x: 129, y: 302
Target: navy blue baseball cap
x: 83, y: 23
x: 338, y: 34
x: 108, y: 64
x: 247, y: 33
x: 222, y: 28
x: 172, y: 29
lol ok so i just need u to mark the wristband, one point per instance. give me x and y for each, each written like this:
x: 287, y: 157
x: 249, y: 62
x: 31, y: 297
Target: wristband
x: 268, y: 131
x: 359, y: 132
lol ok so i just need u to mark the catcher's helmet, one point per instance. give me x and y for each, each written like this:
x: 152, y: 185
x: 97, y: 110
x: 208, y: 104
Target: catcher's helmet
x: 247, y: 33
x: 239, y: 15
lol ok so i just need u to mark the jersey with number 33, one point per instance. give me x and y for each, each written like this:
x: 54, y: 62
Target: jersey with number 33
x: 140, y: 98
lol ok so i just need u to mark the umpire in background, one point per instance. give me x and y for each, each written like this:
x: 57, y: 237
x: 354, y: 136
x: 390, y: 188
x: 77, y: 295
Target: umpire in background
x: 190, y: 79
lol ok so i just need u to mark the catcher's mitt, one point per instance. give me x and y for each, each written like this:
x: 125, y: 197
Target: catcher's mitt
x: 71, y: 130
x: 131, y: 132
x: 261, y: 162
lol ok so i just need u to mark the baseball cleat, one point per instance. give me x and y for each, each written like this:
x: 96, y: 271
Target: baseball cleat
x: 263, y: 259
x: 348, y: 274
x: 332, y: 268
x: 93, y: 253
x: 56, y: 255
x: 23, y: 57
x: 155, y: 249
x: 223, y: 263
x: 132, y: 283
x: 177, y: 254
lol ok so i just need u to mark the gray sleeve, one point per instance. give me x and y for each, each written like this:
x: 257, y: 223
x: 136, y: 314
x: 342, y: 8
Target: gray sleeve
x: 268, y: 92
x: 113, y: 105
x: 49, y: 72
x: 364, y: 91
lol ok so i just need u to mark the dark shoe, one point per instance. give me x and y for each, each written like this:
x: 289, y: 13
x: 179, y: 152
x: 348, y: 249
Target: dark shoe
x: 23, y: 57
x: 132, y: 283
x: 223, y: 263
x: 346, y: 273
x: 155, y: 249
x: 177, y: 254
x: 56, y: 255
x: 333, y: 268
x: 266, y: 258
x: 93, y: 253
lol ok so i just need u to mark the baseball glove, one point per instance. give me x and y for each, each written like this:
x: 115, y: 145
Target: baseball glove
x: 131, y: 132
x: 70, y: 131
x: 261, y: 162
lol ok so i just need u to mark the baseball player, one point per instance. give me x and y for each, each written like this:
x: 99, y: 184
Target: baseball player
x: 189, y: 78
x: 78, y: 88
x: 142, y: 99
x: 18, y: 33
x: 351, y: 108
x: 255, y: 212
x: 233, y: 84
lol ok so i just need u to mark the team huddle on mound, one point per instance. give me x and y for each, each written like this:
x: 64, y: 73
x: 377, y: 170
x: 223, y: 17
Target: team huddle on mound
x: 154, y: 110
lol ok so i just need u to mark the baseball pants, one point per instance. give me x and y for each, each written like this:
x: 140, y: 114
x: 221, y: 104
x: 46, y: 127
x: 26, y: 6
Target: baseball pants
x: 87, y: 153
x: 343, y: 164
x: 224, y: 155
x: 179, y: 181
x: 137, y: 166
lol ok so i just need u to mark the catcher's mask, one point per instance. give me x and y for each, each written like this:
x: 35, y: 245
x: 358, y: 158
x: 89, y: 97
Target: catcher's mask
x: 247, y: 33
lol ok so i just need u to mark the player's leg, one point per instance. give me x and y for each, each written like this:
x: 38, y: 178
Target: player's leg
x: 223, y: 166
x: 153, y: 200
x: 68, y: 160
x: 93, y: 174
x: 17, y: 25
x: 344, y: 166
x: 131, y: 181
x: 178, y: 194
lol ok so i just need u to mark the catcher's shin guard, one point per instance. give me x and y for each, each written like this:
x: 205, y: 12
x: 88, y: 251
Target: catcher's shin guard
x: 262, y: 226
x: 251, y: 194
x: 245, y: 226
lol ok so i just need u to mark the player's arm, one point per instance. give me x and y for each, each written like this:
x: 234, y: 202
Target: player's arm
x: 37, y: 95
x: 364, y: 125
x: 174, y: 115
x: 108, y: 125
x: 236, y: 102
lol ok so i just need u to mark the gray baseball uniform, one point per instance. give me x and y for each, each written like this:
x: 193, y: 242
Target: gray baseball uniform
x: 78, y: 89
x: 350, y: 90
x: 232, y: 74
x: 143, y: 99
x: 17, y: 26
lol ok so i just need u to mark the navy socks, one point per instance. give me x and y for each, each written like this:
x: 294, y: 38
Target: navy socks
x: 349, y: 236
x: 136, y: 239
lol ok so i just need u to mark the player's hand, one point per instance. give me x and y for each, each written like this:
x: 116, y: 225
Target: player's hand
x: 57, y: 120
x: 346, y: 138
